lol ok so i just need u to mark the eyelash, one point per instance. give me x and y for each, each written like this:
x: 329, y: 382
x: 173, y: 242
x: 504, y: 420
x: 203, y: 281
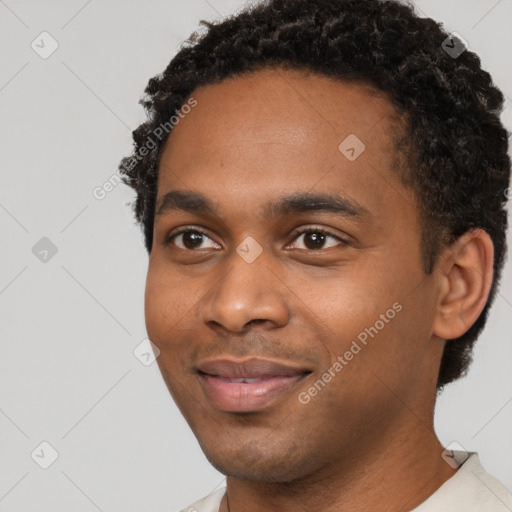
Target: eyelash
x: 296, y: 234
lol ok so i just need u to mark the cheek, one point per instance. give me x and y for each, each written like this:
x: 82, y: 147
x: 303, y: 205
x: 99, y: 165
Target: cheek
x: 385, y: 347
x: 349, y: 301
x: 167, y: 306
x: 371, y: 317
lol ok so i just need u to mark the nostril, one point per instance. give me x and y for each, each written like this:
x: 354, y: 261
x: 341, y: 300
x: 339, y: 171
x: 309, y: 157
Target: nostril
x: 256, y: 321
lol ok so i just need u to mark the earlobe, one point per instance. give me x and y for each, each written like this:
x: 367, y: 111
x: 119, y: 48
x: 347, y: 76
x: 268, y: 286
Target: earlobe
x: 465, y: 271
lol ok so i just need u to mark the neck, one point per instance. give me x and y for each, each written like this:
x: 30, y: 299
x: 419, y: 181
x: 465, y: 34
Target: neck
x: 396, y: 474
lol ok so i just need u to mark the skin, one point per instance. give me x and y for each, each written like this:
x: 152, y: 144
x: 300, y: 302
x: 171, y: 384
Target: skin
x: 366, y: 441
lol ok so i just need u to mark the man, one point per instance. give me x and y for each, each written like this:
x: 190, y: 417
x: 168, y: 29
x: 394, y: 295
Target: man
x: 326, y: 230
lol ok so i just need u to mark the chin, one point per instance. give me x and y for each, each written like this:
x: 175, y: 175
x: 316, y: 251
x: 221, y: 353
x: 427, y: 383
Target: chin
x: 257, y: 462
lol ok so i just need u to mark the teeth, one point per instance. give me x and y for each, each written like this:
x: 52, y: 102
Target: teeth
x: 248, y: 381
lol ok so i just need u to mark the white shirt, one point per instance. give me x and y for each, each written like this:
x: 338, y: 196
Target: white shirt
x: 470, y: 489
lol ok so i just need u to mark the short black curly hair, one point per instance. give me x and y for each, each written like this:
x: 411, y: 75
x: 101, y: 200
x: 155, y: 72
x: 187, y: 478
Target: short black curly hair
x: 453, y: 147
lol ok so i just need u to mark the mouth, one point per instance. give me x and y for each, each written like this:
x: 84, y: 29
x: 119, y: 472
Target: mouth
x: 250, y: 385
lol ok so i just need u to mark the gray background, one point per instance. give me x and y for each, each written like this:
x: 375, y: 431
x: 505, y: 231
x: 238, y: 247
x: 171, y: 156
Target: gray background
x: 68, y: 375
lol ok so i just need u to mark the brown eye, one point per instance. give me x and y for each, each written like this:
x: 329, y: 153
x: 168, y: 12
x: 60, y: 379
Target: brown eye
x: 315, y: 239
x: 189, y: 239
x: 192, y: 239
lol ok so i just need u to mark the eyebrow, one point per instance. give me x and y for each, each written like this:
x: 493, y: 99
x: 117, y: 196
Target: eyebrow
x: 301, y: 202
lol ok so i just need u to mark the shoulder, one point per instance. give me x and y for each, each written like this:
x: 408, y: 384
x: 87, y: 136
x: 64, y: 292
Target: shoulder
x: 470, y: 488
x: 210, y: 503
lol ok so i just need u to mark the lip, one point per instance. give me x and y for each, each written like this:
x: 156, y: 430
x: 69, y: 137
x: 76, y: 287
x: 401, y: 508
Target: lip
x: 270, y: 380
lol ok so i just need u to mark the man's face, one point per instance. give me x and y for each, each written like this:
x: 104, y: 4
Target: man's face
x: 350, y: 290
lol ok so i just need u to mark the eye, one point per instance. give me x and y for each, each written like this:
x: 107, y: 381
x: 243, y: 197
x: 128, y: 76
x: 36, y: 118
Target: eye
x: 315, y: 238
x: 189, y: 239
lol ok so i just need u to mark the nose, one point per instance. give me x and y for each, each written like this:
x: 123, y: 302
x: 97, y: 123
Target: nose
x: 248, y: 293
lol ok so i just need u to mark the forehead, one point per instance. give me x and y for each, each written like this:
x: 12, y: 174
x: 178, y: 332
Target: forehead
x: 277, y: 130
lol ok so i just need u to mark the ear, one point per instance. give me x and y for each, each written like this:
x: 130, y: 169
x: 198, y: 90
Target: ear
x: 465, y: 272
